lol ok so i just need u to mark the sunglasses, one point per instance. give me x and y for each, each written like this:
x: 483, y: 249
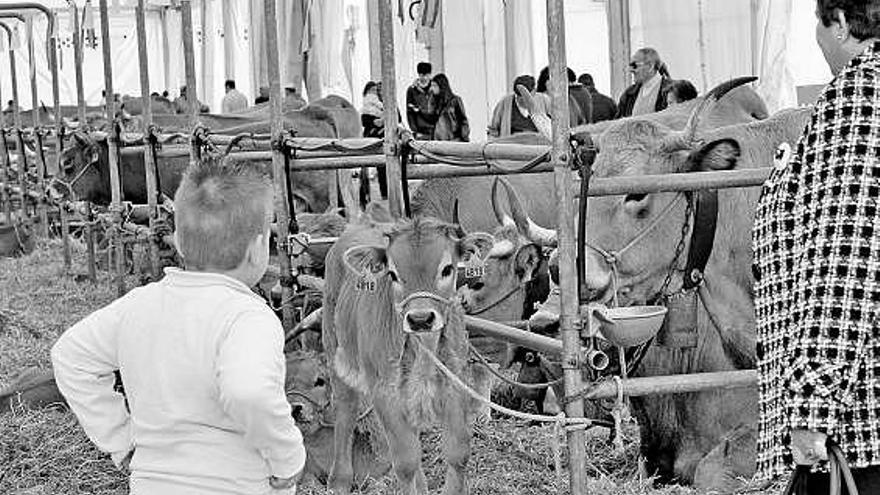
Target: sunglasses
x: 636, y: 65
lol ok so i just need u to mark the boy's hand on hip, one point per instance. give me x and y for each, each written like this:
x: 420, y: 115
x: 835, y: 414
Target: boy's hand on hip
x: 284, y: 483
x: 808, y: 447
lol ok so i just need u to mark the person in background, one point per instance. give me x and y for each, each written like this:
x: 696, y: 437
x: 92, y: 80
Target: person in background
x: 816, y: 265
x: 680, y: 91
x: 292, y: 99
x: 234, y: 101
x: 604, y: 107
x: 509, y: 116
x: 420, y: 112
x: 452, y: 122
x: 542, y: 98
x: 651, y: 82
x: 201, y: 356
x: 181, y: 104
x: 263, y: 96
x: 372, y: 111
x: 581, y: 95
x: 10, y: 107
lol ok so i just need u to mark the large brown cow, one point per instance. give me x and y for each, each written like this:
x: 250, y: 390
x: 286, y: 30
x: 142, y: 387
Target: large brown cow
x: 706, y: 438
x: 390, y: 294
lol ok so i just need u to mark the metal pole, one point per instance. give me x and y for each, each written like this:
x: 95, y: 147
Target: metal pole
x: 59, y: 144
x: 560, y: 158
x: 38, y: 136
x: 619, y: 44
x: 16, y: 119
x: 189, y: 63
x: 389, y: 90
x: 150, y: 166
x: 675, y: 384
x: 278, y: 162
x: 78, y: 63
x: 4, y: 150
x: 113, y: 146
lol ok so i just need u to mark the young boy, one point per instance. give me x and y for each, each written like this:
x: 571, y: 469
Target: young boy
x: 200, y: 355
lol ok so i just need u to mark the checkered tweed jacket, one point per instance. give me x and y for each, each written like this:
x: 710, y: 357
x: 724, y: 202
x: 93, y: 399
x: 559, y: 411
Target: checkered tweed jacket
x: 817, y: 265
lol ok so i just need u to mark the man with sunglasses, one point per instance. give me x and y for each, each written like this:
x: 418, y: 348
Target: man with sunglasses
x: 651, y: 82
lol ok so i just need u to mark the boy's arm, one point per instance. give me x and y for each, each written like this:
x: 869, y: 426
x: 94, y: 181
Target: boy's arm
x: 84, y: 359
x: 250, y: 377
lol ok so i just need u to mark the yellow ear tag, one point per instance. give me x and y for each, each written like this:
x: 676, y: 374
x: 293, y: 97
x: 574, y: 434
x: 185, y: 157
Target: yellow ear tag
x: 475, y: 267
x: 367, y: 282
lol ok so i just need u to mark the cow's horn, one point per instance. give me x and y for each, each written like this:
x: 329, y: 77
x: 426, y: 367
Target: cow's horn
x: 525, y: 225
x: 502, y: 218
x: 687, y: 139
x: 459, y: 230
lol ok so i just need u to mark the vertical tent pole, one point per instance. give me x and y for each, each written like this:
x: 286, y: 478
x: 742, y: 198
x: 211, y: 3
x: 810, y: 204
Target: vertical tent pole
x: 618, y: 32
x: 38, y: 136
x: 4, y: 149
x: 560, y: 158
x: 389, y: 91
x: 278, y: 163
x: 113, y: 152
x: 189, y: 63
x: 150, y: 166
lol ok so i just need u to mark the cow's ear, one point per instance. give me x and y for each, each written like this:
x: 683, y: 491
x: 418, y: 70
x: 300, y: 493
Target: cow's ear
x: 528, y: 259
x: 722, y: 154
x: 476, y: 243
x: 366, y: 260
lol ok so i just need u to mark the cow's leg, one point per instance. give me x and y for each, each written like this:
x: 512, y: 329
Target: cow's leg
x: 404, y: 446
x: 456, y: 442
x: 345, y: 402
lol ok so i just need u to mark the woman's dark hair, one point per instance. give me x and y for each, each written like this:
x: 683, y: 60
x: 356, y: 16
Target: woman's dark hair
x: 683, y: 90
x: 446, y: 95
x: 863, y: 16
x: 370, y: 85
x: 544, y: 79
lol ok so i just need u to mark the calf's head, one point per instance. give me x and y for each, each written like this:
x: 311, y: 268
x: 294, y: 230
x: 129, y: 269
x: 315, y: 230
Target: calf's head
x: 80, y: 174
x: 418, y: 267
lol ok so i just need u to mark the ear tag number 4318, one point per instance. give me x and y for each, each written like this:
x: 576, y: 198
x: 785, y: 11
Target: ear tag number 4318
x: 367, y: 282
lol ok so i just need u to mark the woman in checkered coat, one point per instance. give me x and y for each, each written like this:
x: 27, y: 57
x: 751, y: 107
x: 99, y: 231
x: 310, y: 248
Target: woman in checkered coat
x: 817, y: 268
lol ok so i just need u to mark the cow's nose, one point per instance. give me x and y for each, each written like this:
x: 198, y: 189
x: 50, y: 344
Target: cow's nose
x: 296, y: 410
x: 420, y: 320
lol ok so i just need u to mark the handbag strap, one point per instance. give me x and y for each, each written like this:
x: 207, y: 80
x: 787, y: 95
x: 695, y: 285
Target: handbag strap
x: 840, y: 468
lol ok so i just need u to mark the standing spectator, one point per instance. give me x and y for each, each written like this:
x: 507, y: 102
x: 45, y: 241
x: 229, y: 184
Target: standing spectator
x: 817, y: 270
x: 263, y: 96
x: 582, y: 96
x: 372, y: 111
x: 650, y: 84
x: 542, y: 97
x: 234, y: 101
x: 680, y: 91
x: 452, y: 123
x: 510, y: 116
x: 10, y: 107
x: 181, y: 105
x: 420, y: 112
x: 604, y: 107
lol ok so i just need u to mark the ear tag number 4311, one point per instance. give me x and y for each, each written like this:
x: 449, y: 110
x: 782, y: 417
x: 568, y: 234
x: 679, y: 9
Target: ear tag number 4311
x: 474, y: 268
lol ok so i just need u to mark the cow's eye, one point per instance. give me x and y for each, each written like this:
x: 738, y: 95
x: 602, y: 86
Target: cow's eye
x: 393, y: 276
x: 635, y: 197
x: 319, y: 382
x: 447, y: 271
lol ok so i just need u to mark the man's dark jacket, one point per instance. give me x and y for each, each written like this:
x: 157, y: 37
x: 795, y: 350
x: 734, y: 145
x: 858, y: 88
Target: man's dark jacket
x: 628, y: 98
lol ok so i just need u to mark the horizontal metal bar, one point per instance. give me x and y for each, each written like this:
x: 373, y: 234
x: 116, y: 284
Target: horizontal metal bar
x: 674, y: 384
x: 513, y: 335
x: 691, y: 181
x: 482, y: 150
x: 438, y: 171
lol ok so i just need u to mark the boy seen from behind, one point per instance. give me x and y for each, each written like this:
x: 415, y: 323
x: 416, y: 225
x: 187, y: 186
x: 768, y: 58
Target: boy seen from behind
x: 200, y: 355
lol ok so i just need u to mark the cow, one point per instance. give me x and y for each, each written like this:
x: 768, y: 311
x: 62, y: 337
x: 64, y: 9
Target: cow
x: 389, y: 300
x: 704, y: 438
x: 85, y: 170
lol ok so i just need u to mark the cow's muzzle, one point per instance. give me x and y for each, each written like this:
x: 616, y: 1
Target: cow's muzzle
x: 420, y: 312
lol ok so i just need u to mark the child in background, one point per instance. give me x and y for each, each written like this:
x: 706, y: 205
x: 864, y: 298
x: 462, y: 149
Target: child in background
x: 200, y: 355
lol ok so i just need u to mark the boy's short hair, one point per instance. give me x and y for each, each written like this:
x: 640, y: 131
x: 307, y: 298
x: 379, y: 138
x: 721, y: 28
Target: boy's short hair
x: 219, y: 208
x: 424, y: 68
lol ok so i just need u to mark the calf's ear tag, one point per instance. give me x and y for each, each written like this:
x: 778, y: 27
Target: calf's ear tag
x: 367, y: 282
x: 475, y: 267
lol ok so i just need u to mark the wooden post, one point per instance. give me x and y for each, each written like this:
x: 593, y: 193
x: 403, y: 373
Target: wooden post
x: 389, y: 91
x: 38, y: 137
x: 4, y: 148
x: 560, y: 158
x: 278, y: 162
x: 59, y: 144
x: 375, y: 46
x: 116, y: 240
x: 619, y: 37
x: 189, y: 63
x: 77, y: 65
x: 150, y: 166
